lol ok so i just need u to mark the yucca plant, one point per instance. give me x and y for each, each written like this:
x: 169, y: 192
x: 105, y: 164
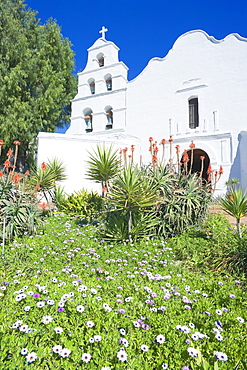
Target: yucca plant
x: 103, y: 166
x: 235, y: 205
x: 133, y: 191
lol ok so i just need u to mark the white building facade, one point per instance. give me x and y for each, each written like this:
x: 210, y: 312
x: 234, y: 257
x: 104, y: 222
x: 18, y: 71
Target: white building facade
x: 197, y: 92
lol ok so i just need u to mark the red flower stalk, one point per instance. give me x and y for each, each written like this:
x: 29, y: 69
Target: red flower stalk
x: 209, y: 170
x: 202, y: 157
x: 132, y: 148
x: 7, y: 164
x: 16, y: 142
x: 163, y: 141
x: 177, y: 149
x: 192, y: 145
x: 154, y: 159
x: 185, y: 156
x: 1, y: 174
x: 27, y: 173
x: 16, y: 178
x: 9, y: 153
x: 150, y: 139
x: 43, y: 166
x: 170, y: 139
x: 155, y: 150
x: 221, y: 170
x: 43, y: 206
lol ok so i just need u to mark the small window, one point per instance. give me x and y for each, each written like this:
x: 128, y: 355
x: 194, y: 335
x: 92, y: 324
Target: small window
x: 193, y: 113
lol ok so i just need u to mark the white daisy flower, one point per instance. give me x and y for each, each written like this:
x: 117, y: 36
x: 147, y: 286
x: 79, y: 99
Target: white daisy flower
x: 57, y: 349
x: 97, y: 338
x: 122, y: 355
x: 86, y: 357
x: 58, y: 330
x: 47, y: 319
x: 31, y: 357
x: 65, y: 352
x: 160, y: 339
x: 144, y: 348
x: 24, y: 351
x: 90, y: 324
x: 80, y: 308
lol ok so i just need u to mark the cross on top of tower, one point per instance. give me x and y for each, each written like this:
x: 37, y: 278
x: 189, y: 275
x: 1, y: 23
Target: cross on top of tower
x: 103, y: 31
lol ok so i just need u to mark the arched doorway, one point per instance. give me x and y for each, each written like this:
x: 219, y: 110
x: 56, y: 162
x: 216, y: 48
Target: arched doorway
x: 198, y: 161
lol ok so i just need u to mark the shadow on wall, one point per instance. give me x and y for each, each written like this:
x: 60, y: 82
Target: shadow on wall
x: 239, y: 166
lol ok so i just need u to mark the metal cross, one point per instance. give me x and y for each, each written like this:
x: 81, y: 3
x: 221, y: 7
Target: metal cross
x: 103, y: 31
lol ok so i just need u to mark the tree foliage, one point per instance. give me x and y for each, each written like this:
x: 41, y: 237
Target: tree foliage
x: 36, y: 80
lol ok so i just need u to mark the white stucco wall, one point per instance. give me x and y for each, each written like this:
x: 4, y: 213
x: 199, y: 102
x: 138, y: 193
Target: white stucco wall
x: 197, y: 66
x: 73, y: 151
x: 155, y: 104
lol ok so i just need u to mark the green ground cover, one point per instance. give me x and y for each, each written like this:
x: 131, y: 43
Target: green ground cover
x: 70, y: 300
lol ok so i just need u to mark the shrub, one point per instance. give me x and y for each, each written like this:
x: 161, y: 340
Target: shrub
x: 18, y: 211
x: 183, y: 203
x: 87, y: 205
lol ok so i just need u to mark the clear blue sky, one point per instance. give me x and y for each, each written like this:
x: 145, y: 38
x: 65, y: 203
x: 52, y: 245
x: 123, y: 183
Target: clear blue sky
x: 142, y: 29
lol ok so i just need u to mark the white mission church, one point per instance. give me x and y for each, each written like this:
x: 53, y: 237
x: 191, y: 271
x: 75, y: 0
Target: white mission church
x: 198, y: 92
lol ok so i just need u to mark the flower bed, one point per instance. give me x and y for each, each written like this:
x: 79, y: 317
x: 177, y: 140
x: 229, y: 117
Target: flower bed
x: 71, y: 301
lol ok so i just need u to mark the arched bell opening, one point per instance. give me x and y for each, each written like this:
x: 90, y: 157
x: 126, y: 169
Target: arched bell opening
x: 88, y: 118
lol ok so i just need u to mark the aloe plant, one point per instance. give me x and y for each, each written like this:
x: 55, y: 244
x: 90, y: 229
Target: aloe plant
x: 45, y: 179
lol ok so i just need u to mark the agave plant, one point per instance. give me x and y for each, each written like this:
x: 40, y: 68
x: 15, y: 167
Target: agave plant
x: 235, y: 205
x: 103, y: 166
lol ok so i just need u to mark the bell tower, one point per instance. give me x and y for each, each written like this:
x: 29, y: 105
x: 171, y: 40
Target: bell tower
x: 100, y: 103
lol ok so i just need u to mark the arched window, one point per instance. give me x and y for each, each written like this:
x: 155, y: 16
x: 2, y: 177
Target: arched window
x: 109, y: 116
x: 91, y: 83
x: 101, y: 60
x: 108, y: 81
x: 88, y: 118
x: 193, y: 113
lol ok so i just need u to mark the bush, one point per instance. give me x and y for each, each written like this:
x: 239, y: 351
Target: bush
x: 214, y: 246
x: 87, y: 205
x: 18, y: 211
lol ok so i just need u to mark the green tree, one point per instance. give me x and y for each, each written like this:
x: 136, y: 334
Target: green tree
x: 36, y: 80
